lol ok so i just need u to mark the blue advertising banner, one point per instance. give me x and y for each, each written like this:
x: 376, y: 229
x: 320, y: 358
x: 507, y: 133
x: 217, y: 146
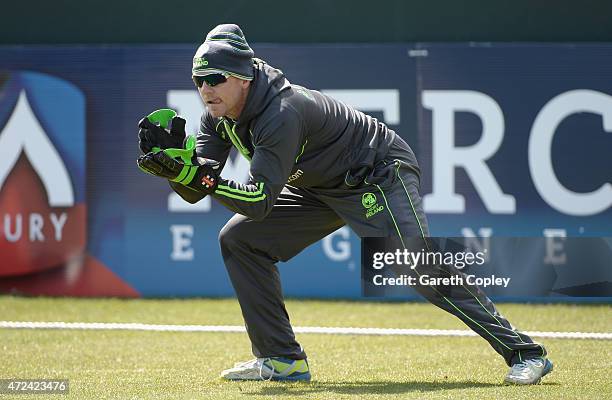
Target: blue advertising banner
x: 516, y: 137
x: 513, y: 140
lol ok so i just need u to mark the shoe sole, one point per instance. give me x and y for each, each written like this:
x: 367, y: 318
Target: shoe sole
x: 305, y: 377
x: 298, y: 378
x: 548, y: 367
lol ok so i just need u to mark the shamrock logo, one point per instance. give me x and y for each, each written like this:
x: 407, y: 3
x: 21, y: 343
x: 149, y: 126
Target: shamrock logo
x: 368, y: 200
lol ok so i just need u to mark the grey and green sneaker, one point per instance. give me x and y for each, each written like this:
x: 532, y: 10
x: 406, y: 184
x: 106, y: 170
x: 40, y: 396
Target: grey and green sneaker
x: 529, y: 372
x: 269, y: 369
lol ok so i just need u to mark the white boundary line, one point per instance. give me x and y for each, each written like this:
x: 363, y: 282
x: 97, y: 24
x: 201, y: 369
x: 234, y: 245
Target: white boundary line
x: 299, y: 329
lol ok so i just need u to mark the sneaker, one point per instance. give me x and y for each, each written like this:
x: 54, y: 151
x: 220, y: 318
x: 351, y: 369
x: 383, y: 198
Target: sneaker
x: 529, y: 372
x: 269, y: 369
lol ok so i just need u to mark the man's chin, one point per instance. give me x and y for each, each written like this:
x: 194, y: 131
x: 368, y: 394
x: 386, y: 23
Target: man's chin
x: 214, y: 111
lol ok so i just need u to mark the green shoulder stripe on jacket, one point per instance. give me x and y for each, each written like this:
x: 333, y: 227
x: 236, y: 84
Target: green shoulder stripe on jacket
x: 231, y: 132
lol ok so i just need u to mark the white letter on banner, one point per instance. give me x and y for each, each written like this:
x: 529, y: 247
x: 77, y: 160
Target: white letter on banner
x: 181, y: 242
x: 444, y: 104
x: 188, y: 104
x: 540, y: 158
x: 343, y: 251
x: 16, y: 235
x: 58, y: 224
x: 36, y: 227
x: 554, y: 248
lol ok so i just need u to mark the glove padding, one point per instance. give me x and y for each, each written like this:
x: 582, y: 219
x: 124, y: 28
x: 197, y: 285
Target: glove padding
x: 202, y: 177
x: 151, y: 135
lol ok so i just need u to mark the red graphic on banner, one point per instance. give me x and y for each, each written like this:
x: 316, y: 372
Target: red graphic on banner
x: 42, y: 248
x: 88, y: 278
x: 35, y: 236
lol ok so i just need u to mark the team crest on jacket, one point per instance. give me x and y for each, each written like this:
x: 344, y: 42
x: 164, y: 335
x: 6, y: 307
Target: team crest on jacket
x: 370, y: 203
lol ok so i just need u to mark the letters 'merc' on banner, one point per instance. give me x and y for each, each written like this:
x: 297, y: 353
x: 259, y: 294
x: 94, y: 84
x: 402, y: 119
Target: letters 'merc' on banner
x: 42, y: 173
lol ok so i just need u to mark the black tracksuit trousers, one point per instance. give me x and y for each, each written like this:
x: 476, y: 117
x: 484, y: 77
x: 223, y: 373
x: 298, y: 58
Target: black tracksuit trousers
x: 301, y: 217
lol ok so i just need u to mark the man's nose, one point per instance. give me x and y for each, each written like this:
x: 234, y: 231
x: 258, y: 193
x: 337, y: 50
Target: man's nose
x: 205, y: 89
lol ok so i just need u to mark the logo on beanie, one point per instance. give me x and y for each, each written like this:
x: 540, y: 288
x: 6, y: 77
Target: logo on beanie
x: 200, y: 62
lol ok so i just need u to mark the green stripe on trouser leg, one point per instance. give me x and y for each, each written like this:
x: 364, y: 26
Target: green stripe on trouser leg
x: 466, y: 304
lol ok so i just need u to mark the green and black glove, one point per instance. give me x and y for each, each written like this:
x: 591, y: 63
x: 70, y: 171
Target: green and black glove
x: 161, y: 129
x: 169, y: 153
x: 202, y: 177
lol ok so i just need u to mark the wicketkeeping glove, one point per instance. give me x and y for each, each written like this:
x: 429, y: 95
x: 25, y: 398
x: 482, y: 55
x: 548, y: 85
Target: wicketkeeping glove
x: 161, y: 129
x: 202, y: 177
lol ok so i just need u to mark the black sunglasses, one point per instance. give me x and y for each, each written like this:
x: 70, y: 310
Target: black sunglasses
x: 210, y: 80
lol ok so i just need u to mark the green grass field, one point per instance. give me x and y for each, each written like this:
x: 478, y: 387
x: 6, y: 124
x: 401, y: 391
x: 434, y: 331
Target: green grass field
x: 148, y: 365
